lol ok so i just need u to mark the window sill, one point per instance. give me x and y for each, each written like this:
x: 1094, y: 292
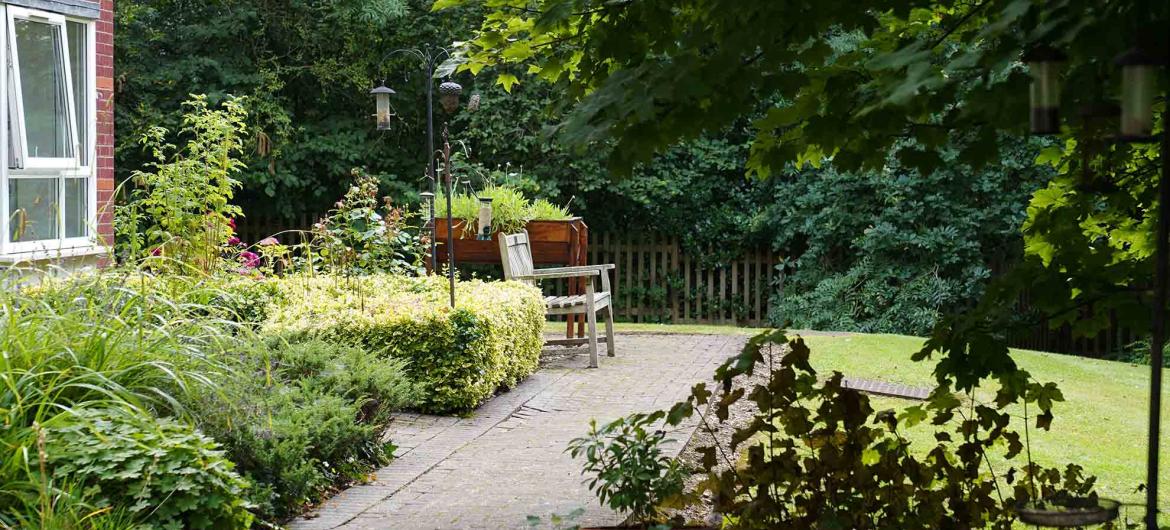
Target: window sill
x: 53, y: 254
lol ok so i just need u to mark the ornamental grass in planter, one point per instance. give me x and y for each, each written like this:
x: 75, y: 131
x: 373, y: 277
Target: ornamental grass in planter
x: 511, y: 210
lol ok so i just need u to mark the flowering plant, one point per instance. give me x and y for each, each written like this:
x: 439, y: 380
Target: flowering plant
x: 361, y: 237
x: 179, y: 206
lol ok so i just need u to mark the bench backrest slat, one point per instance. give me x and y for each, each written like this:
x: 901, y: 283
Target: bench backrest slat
x: 516, y: 255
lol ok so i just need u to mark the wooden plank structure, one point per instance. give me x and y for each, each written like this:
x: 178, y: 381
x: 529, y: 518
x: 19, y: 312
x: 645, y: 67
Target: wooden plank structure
x: 551, y: 243
x: 660, y: 282
x: 680, y: 277
x: 517, y: 261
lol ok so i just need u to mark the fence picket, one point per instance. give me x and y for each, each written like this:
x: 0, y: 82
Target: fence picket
x: 686, y: 294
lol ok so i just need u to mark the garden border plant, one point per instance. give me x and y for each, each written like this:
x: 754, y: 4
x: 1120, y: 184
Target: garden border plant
x: 817, y: 454
x: 459, y: 357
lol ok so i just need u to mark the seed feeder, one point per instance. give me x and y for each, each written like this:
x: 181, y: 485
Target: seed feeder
x: 449, y: 93
x: 1044, y: 63
x: 382, y: 99
x: 485, y: 219
x: 1137, y: 94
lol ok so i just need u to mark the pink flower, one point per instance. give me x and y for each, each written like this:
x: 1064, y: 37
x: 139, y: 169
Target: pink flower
x: 249, y: 259
x: 157, y: 251
x: 232, y: 222
x: 268, y: 242
x: 233, y: 241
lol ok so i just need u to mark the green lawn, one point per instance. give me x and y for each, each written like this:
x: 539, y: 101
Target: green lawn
x: 1100, y: 425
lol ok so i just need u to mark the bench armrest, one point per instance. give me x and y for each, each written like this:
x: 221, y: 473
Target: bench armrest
x: 560, y: 272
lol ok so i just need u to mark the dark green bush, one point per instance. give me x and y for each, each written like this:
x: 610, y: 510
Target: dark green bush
x: 458, y: 357
x: 380, y: 385
x: 889, y: 251
x: 302, y: 419
x: 163, y: 471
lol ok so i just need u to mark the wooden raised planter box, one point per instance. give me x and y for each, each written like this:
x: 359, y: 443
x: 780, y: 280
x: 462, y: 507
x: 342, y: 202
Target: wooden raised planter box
x: 553, y: 243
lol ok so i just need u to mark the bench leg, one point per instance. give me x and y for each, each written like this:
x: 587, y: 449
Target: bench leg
x: 609, y: 330
x: 591, y: 317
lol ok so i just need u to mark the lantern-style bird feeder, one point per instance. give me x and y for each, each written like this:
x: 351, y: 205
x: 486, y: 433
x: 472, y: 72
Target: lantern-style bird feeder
x: 449, y: 93
x: 1137, y: 94
x: 382, y: 99
x: 485, y: 219
x: 1044, y: 63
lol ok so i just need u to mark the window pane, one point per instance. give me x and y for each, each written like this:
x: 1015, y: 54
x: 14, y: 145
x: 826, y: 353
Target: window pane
x: 43, y: 89
x: 79, y: 65
x: 32, y: 204
x: 14, y: 154
x: 76, y: 207
x: 13, y: 144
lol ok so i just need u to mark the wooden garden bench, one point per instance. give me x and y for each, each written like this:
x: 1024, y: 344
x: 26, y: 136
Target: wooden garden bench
x: 516, y: 256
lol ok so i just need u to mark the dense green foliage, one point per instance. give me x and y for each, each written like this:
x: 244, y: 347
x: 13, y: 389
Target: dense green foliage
x: 312, y: 126
x: 157, y: 469
x: 459, y: 357
x: 95, y: 344
x: 305, y: 67
x: 890, y: 251
x: 629, y: 472
x: 944, y: 76
x: 107, y: 377
x: 302, y: 419
x: 179, y: 205
x: 818, y: 455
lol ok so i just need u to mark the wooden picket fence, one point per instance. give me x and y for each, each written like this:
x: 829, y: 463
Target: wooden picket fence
x: 656, y: 281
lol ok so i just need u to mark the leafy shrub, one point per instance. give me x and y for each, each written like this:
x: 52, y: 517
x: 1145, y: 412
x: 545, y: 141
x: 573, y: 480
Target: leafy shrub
x: 630, y: 473
x: 816, y: 454
x: 245, y: 300
x: 161, y: 470
x: 358, y: 237
x: 66, y: 344
x: 379, y: 385
x: 180, y: 207
x: 302, y: 419
x: 459, y: 357
x: 889, y: 251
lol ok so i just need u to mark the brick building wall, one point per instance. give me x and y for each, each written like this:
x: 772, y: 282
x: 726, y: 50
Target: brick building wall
x: 105, y: 122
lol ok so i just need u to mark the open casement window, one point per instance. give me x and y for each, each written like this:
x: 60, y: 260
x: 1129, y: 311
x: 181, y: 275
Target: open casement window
x: 38, y: 64
x: 48, y: 191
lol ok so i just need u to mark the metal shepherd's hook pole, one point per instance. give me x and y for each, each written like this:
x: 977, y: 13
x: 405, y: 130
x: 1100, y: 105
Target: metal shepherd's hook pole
x: 431, y: 162
x: 450, y: 223
x: 1161, y: 291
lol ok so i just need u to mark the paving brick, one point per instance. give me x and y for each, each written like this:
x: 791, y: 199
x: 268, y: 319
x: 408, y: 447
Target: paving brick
x: 507, y: 460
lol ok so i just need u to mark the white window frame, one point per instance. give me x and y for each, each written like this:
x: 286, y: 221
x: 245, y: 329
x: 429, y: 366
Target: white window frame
x: 31, y: 162
x: 59, y: 169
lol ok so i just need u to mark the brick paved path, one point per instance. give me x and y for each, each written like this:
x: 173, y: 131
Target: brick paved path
x: 507, y: 461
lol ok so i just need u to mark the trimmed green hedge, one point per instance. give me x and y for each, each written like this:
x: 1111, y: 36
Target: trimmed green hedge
x: 458, y: 357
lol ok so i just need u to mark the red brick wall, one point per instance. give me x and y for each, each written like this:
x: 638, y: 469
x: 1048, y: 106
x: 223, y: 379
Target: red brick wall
x: 105, y: 123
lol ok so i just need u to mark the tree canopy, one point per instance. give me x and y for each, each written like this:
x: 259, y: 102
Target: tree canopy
x: 935, y: 83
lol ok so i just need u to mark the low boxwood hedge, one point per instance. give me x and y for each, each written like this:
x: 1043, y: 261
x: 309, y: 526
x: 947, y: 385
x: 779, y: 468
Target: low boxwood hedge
x: 459, y: 357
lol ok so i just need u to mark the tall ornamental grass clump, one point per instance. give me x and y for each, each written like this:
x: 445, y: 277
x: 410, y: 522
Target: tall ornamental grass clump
x: 459, y: 357
x: 511, y: 210
x: 93, y: 356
